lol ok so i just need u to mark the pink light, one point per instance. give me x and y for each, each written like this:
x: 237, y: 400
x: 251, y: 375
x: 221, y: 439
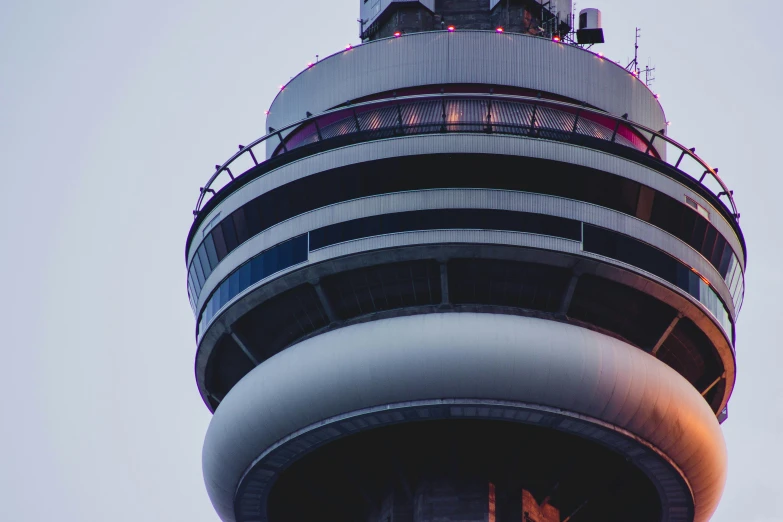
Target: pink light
x: 266, y: 112
x: 348, y: 47
x: 310, y: 65
x: 282, y: 87
x: 499, y: 30
x: 600, y: 55
x: 452, y: 28
x: 397, y: 34
x: 657, y: 96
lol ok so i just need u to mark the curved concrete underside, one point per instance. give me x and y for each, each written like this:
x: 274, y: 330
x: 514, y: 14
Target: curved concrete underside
x: 481, y: 357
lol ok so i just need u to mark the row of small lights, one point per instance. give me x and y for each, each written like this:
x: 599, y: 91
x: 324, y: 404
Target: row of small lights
x: 451, y: 29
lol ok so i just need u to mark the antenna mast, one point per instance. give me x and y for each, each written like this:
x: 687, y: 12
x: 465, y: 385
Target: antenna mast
x: 633, y: 67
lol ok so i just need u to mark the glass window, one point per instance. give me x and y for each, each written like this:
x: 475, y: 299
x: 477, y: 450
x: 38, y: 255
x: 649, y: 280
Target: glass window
x: 244, y: 276
x: 637, y: 253
x: 198, y: 272
x: 220, y: 243
x: 446, y: 219
x: 209, y: 246
x: 229, y: 234
x: 240, y: 225
x: 201, y: 254
x: 233, y: 285
x: 275, y: 259
x: 459, y: 171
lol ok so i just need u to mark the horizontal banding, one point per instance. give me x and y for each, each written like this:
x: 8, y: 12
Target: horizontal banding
x: 479, y: 356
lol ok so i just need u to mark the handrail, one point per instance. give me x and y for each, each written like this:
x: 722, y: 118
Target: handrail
x: 579, y: 110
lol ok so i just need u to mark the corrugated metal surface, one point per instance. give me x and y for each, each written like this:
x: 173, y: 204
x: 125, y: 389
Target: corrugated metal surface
x: 465, y: 198
x: 466, y: 57
x: 489, y: 144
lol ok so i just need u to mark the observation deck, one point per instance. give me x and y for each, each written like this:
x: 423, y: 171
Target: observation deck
x: 480, y: 183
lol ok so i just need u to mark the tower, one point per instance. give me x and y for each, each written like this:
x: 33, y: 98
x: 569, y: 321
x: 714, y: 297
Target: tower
x: 465, y: 275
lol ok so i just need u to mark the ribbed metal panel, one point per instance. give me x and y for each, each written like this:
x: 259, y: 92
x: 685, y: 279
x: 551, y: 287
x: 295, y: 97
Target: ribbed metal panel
x: 472, y: 199
x: 467, y: 143
x: 428, y: 237
x: 467, y: 57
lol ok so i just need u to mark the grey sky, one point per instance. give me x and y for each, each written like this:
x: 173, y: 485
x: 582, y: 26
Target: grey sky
x: 112, y: 115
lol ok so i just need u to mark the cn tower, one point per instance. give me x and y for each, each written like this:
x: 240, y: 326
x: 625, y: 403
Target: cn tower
x: 466, y: 275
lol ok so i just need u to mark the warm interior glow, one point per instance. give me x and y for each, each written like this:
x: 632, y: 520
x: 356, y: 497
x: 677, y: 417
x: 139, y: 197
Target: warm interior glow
x: 491, y: 502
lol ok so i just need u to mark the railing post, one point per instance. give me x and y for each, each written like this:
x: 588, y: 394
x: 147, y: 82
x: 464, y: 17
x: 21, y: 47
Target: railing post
x: 217, y: 167
x: 489, y: 116
x: 250, y: 150
x: 533, y: 121
x: 616, y: 128
x: 682, y: 155
x: 282, y: 142
x: 443, y: 106
x: 356, y: 120
x: 649, y: 144
x: 576, y: 122
x: 399, y: 119
x: 318, y: 130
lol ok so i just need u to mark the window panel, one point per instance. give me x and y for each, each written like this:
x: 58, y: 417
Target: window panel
x: 275, y: 259
x: 211, y: 253
x: 229, y: 234
x: 240, y: 225
x: 220, y: 242
x: 447, y: 219
x: 458, y: 171
x: 199, y: 272
x: 201, y: 253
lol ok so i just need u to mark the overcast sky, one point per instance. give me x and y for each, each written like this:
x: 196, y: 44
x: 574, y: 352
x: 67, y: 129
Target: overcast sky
x: 113, y: 114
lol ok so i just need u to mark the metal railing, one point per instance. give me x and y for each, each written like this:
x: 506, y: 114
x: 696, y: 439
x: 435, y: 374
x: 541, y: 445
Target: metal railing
x: 357, y: 122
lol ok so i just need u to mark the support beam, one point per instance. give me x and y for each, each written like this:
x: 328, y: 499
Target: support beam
x: 214, y: 397
x: 325, y: 303
x: 565, y: 304
x: 444, y: 283
x: 672, y: 325
x: 714, y: 384
x: 243, y: 346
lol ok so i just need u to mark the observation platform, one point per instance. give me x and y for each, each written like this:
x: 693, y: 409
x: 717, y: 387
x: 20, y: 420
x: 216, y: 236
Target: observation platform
x: 425, y: 182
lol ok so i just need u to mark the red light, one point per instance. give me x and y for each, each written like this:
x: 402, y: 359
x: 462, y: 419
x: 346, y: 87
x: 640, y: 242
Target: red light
x: 556, y: 38
x: 397, y: 34
x: 499, y: 30
x: 452, y: 28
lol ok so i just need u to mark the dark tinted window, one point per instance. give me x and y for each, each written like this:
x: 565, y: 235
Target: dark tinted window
x: 384, y: 287
x: 636, y: 316
x: 507, y: 283
x: 263, y: 265
x: 445, y: 219
x: 471, y: 171
x: 639, y: 254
